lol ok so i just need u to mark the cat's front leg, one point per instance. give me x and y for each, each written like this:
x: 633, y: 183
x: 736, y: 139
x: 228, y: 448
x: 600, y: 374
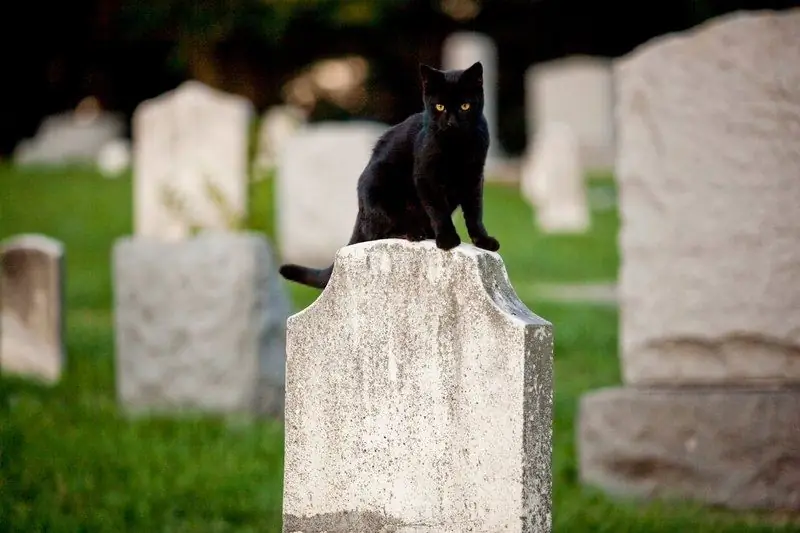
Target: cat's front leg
x: 472, y: 207
x: 434, y: 201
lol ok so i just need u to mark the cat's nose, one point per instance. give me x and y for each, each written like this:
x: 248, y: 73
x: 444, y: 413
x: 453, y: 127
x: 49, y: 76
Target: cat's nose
x: 452, y: 122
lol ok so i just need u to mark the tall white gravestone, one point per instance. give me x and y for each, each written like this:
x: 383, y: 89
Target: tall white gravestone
x: 419, y: 397
x: 708, y: 167
x: 576, y: 91
x: 190, y: 161
x: 318, y: 170
x: 32, y: 307
x: 553, y: 181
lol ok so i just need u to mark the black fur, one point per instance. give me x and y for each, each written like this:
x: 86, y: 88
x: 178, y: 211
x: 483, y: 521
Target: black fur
x: 421, y: 170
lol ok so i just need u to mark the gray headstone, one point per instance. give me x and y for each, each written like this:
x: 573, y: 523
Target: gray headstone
x: 200, y: 324
x: 419, y: 397
x: 708, y: 168
x: 32, y: 307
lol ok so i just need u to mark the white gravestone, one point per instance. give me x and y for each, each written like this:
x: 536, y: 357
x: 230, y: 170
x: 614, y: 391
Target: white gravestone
x: 199, y: 324
x: 553, y: 181
x: 278, y: 124
x: 316, y: 194
x: 708, y: 167
x: 32, y: 307
x: 419, y: 397
x: 577, y: 91
x: 190, y: 162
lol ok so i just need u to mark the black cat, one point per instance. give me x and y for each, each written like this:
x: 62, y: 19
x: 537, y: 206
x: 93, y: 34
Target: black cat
x: 422, y: 169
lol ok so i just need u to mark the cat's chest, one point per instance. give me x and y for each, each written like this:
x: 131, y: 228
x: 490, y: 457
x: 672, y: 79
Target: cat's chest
x: 464, y: 160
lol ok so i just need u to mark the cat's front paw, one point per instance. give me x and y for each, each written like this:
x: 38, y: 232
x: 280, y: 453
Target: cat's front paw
x: 447, y: 241
x: 487, y: 243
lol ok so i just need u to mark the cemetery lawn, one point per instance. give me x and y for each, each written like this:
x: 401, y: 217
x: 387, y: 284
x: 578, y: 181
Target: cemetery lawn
x: 70, y: 462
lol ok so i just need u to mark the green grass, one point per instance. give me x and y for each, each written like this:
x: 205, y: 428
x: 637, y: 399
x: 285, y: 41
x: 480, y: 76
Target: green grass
x: 69, y: 462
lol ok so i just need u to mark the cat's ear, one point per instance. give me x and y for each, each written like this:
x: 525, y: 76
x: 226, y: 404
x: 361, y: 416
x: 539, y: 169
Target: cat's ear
x: 473, y: 75
x: 429, y: 75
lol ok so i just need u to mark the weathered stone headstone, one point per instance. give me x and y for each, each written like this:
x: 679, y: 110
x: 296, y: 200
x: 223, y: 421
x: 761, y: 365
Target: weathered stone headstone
x: 553, y: 181
x: 460, y: 51
x: 316, y: 188
x: 32, y: 307
x: 190, y: 161
x: 577, y: 91
x: 419, y: 397
x: 278, y: 124
x: 708, y: 168
x: 200, y: 324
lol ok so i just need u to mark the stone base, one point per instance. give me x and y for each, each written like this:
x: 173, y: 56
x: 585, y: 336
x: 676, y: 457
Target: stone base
x: 734, y: 448
x: 200, y: 325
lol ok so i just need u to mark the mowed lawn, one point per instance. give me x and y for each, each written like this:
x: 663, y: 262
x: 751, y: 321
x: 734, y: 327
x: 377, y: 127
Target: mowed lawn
x: 71, y: 463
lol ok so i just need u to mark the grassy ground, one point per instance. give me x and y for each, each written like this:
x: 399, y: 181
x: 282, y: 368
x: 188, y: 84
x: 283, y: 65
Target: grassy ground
x: 70, y: 463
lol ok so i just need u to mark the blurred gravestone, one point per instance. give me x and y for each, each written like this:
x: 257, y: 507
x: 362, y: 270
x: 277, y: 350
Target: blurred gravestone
x: 316, y: 194
x: 553, y: 181
x: 75, y: 136
x: 278, y: 124
x: 576, y: 91
x: 419, y: 397
x: 190, y: 162
x: 708, y: 168
x: 200, y: 324
x: 32, y: 307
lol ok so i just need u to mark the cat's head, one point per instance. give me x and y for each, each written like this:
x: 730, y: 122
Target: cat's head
x: 453, y: 98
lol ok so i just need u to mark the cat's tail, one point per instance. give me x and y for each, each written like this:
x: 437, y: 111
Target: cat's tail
x: 313, y: 277
x: 316, y: 277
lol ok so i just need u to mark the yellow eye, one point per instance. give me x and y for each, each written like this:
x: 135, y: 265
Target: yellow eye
x: 439, y: 107
x: 464, y: 106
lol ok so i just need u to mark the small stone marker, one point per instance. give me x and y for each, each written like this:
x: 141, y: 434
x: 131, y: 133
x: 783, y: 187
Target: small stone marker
x: 200, y: 324
x: 316, y: 188
x: 553, y: 181
x: 708, y: 168
x: 114, y: 158
x: 190, y: 162
x: 576, y: 91
x: 419, y: 397
x: 32, y: 307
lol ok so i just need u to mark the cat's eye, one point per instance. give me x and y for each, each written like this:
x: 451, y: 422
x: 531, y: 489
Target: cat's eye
x: 464, y: 106
x: 439, y: 107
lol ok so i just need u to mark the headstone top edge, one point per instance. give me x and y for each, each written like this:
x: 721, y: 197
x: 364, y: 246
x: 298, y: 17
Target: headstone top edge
x: 489, y: 271
x: 193, y: 87
x: 709, y: 29
x: 201, y: 236
x: 36, y: 241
